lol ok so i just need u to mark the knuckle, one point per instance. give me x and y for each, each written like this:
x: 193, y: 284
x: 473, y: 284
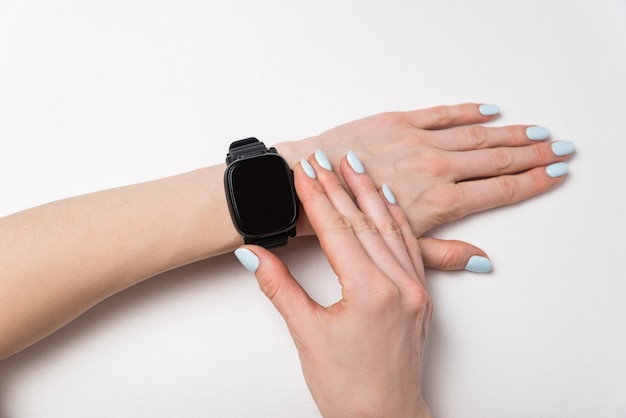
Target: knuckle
x: 502, y: 159
x: 478, y: 136
x: 338, y: 221
x: 448, y: 204
x: 451, y: 258
x: 542, y: 153
x: 440, y: 115
x: 390, y: 229
x: 507, y: 188
x: 418, y: 301
x: 271, y: 285
x: 386, y: 294
x: 411, y: 297
x: 362, y: 224
x: 434, y: 164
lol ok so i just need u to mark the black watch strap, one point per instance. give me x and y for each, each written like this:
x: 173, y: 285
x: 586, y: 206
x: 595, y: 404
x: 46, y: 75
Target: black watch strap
x: 272, y: 241
x: 250, y: 147
x: 246, y: 147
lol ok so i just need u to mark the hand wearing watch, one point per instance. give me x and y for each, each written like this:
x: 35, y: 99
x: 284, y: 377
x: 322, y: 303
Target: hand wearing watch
x: 260, y: 193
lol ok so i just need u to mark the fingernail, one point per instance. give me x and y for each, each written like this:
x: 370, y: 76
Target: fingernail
x: 557, y: 169
x: 478, y: 264
x: 247, y: 259
x: 537, y: 133
x: 307, y: 168
x: 355, y: 163
x: 489, y: 109
x: 562, y: 148
x: 388, y: 194
x: 322, y: 160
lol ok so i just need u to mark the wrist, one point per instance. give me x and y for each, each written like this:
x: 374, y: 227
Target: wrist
x: 415, y: 410
x: 292, y: 151
x: 210, y: 231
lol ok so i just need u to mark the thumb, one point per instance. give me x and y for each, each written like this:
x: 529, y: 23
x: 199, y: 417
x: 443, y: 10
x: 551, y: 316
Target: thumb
x: 276, y: 282
x: 453, y: 255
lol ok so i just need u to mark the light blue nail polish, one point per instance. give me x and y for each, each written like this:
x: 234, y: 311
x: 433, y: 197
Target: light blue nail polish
x: 557, y: 169
x: 489, y: 109
x: 323, y: 160
x: 388, y: 194
x: 562, y: 148
x: 308, y: 169
x: 537, y: 133
x: 247, y: 259
x: 355, y: 163
x: 478, y: 264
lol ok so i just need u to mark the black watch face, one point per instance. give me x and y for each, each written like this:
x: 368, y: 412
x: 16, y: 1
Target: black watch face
x: 262, y: 197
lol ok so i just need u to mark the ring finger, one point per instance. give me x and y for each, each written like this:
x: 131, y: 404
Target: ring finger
x: 474, y: 137
x: 503, y: 160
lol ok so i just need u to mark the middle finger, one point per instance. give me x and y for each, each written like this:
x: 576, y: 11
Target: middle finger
x: 481, y: 137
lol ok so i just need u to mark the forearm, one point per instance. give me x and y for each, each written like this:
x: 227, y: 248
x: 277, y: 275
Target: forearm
x: 60, y: 259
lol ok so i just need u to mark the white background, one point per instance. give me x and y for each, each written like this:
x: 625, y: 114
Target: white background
x: 97, y: 94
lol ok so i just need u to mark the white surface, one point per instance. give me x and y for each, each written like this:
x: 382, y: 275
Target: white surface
x: 95, y: 94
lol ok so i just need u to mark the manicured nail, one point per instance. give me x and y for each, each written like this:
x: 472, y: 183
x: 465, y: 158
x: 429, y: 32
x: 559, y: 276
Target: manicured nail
x: 355, y: 163
x: 489, y: 109
x: 388, y: 194
x: 557, y: 169
x: 562, y: 148
x: 478, y: 264
x: 307, y: 168
x: 537, y: 133
x: 247, y: 259
x: 322, y: 160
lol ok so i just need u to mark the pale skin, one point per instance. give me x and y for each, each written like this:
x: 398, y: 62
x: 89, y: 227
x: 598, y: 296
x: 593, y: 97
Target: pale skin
x: 362, y: 356
x: 62, y: 258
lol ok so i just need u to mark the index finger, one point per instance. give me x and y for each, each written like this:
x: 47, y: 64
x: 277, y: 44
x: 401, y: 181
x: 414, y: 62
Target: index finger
x: 343, y: 249
x: 442, y: 117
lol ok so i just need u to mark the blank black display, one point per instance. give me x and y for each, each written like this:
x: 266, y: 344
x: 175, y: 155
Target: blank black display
x: 262, y: 197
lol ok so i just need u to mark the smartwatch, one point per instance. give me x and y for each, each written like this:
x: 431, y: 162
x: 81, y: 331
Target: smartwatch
x: 260, y: 193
